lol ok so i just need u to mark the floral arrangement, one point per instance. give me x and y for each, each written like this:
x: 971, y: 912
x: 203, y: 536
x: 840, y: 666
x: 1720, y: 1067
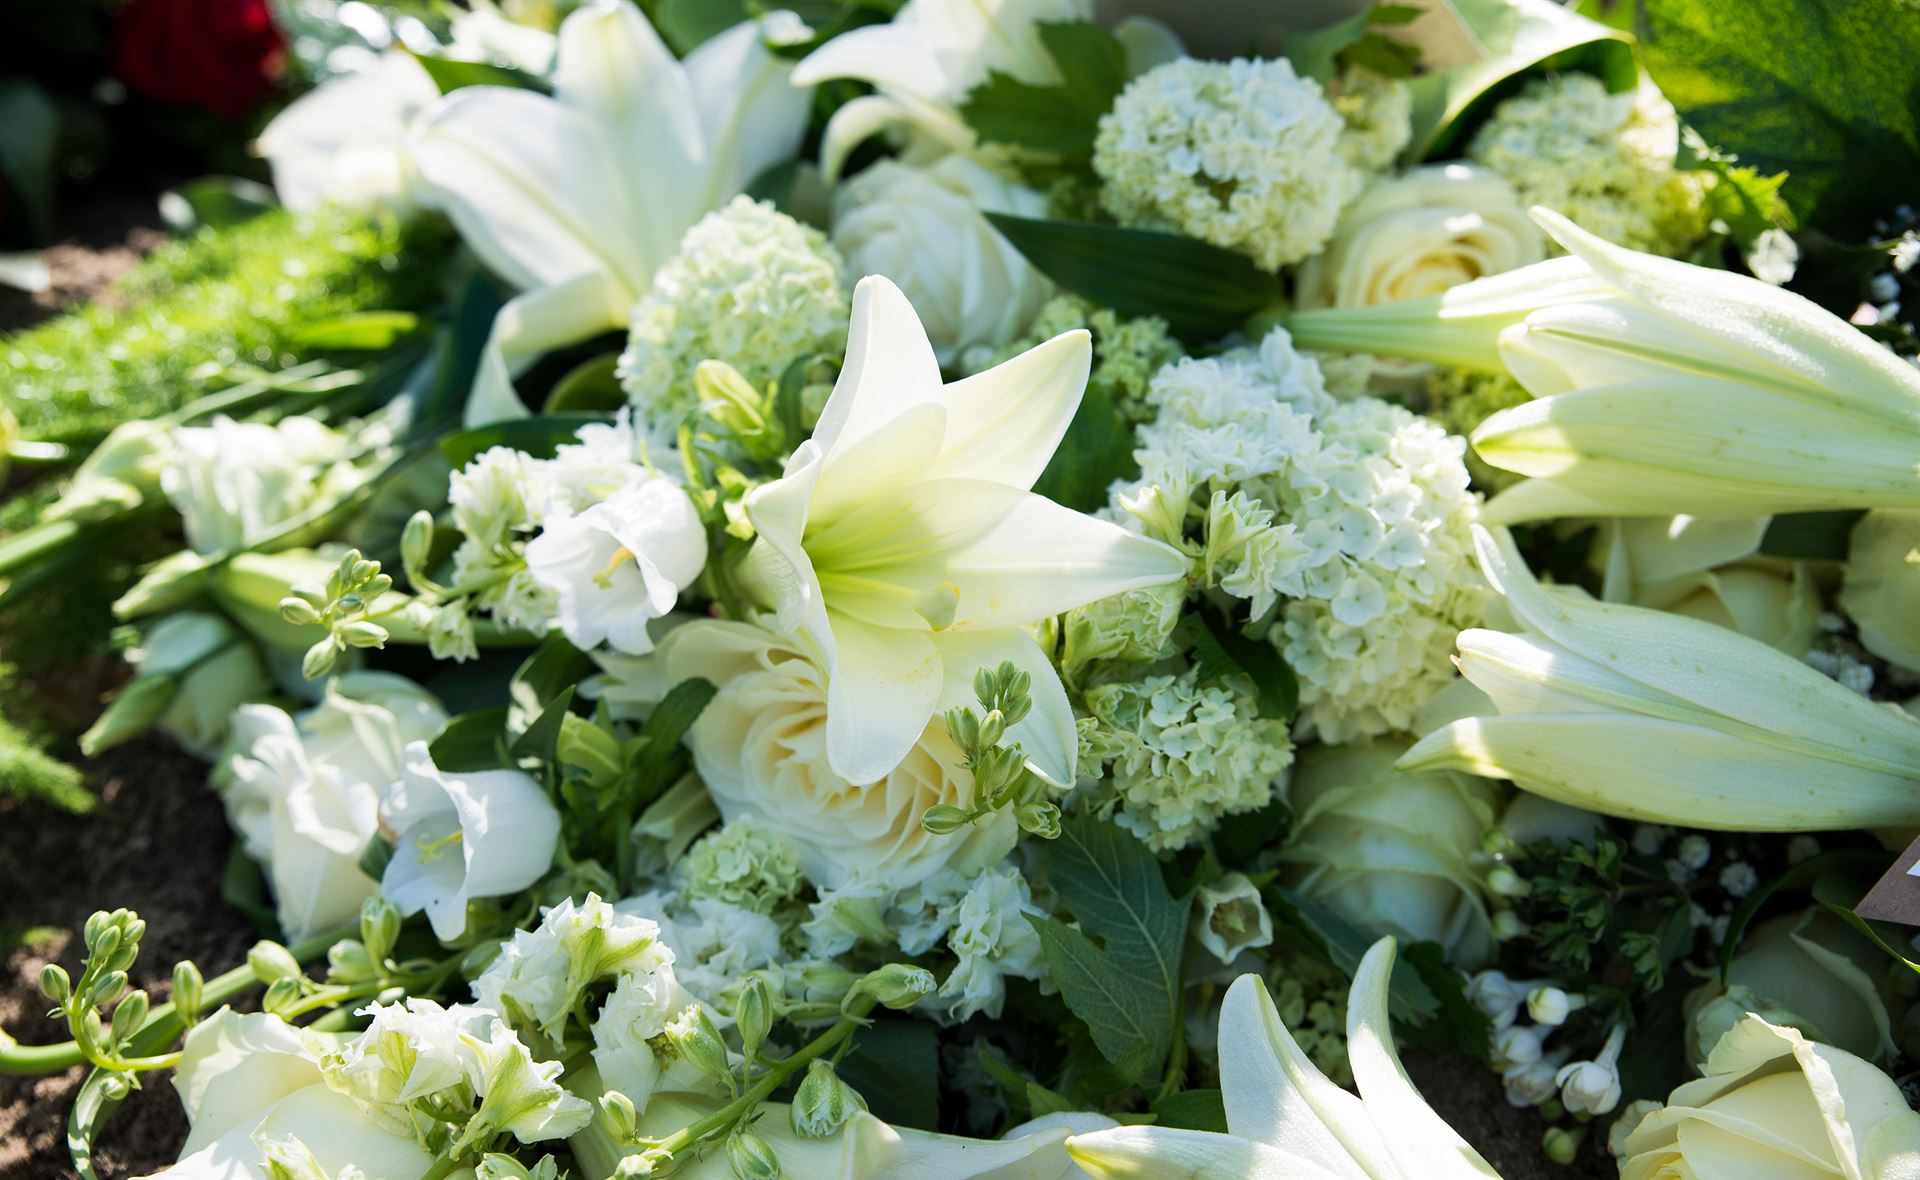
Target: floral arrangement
x: 963, y: 591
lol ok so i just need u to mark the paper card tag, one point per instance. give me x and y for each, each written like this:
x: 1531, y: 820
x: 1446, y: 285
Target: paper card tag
x: 1443, y: 36
x: 1896, y: 896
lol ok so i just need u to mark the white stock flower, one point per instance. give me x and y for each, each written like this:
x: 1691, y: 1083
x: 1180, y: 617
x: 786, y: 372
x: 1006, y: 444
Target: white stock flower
x: 215, y: 670
x: 761, y: 746
x: 232, y: 482
x: 903, y: 538
x: 714, y: 943
x: 924, y: 228
x: 1419, y: 234
x: 1244, y: 154
x: 1286, y: 1120
x: 540, y: 974
x: 1648, y: 715
x: 620, y: 564
x: 304, y: 793
x: 988, y: 932
x: 463, y: 835
x: 341, y: 141
x: 646, y: 144
x: 1777, y: 1104
x: 248, y: 1080
x: 1392, y: 852
x: 924, y: 63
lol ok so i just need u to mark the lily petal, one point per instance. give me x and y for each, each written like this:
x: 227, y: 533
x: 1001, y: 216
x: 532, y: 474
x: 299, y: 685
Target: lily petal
x: 1046, y: 734
x: 1420, y: 1140
x: 752, y: 113
x: 532, y: 323
x: 1169, y: 1153
x: 1006, y: 423
x: 881, y: 691
x: 888, y: 350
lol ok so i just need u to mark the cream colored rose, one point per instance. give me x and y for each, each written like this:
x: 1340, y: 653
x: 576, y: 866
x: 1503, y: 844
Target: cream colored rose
x: 761, y: 747
x: 1711, y: 569
x: 1882, y: 581
x: 1776, y: 1104
x: 1416, y: 235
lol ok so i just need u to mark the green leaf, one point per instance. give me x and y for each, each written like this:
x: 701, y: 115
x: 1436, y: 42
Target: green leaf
x: 1322, y: 53
x: 1823, y: 90
x: 1202, y: 291
x: 1127, y: 988
x: 539, y: 436
x: 895, y: 1066
x: 375, y: 857
x: 244, y: 888
x: 1795, y: 877
x: 1462, y: 1027
x: 1059, y: 119
x: 671, y: 719
x: 589, y: 387
x: 1276, y: 689
x: 472, y: 741
x: 537, y: 740
x: 460, y: 345
x: 555, y: 667
x: 1409, y: 998
x: 29, y: 139
x: 685, y: 25
x: 1192, y: 1110
x: 1514, y: 39
x: 450, y: 75
x: 1811, y: 536
x: 1096, y: 450
x: 360, y: 330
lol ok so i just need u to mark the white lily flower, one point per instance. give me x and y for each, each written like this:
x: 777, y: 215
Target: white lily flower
x: 1661, y: 386
x: 342, y: 140
x: 903, y: 535
x: 577, y: 198
x: 458, y: 836
x: 620, y: 564
x: 1286, y: 1120
x: 1649, y: 715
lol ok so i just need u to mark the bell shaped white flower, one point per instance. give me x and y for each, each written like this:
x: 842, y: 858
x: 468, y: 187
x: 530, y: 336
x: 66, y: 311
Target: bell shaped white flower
x: 903, y: 535
x: 458, y: 836
x: 1286, y: 1120
x: 1655, y: 716
x: 576, y: 198
x: 620, y: 564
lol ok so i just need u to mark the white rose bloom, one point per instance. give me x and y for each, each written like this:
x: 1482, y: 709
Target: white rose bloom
x: 341, y: 140
x: 1881, y: 581
x: 620, y: 564
x: 761, y: 747
x: 250, y: 1080
x: 458, y: 836
x: 215, y: 670
x: 304, y: 795
x: 1416, y: 235
x: 232, y: 482
x: 923, y: 228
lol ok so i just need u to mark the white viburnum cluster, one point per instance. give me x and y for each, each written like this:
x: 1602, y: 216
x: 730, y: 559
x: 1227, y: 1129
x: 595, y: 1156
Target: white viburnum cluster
x: 752, y: 287
x: 595, y: 542
x: 1346, y: 523
x: 1244, y: 154
x: 1181, y: 754
x: 745, y: 863
x: 1604, y: 160
x: 1379, y: 115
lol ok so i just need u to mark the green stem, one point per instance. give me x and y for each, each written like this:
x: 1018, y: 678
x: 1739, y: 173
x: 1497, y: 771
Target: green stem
x: 29, y: 453
x: 164, y: 1022
x: 768, y: 1082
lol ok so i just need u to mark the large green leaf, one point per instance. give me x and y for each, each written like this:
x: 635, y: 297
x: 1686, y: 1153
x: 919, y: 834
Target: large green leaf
x: 1508, y: 40
x: 1126, y: 987
x: 1057, y: 118
x: 539, y: 436
x: 1823, y: 90
x: 1202, y: 291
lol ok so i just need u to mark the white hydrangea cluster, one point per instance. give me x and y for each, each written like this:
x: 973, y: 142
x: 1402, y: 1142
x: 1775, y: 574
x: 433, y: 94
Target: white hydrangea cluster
x: 1245, y: 154
x: 1136, y: 626
x: 744, y: 863
x: 1182, y: 754
x: 752, y: 287
x: 1367, y: 548
x: 503, y: 496
x: 1604, y: 160
x: 1379, y: 114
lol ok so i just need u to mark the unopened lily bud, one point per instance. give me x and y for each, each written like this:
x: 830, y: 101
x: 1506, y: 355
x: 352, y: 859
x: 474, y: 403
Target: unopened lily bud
x: 897, y: 985
x: 133, y: 711
x: 1039, y: 819
x: 106, y: 989
x: 379, y: 927
x: 189, y: 990
x: 416, y: 542
x: 282, y: 995
x: 129, y: 1015
x: 694, y: 1037
x: 622, y: 1118
x: 753, y: 1015
x: 55, y: 983
x: 320, y: 658
x: 751, y: 1157
x: 167, y: 584
x: 944, y: 819
x: 823, y: 1103
x: 269, y: 961
x: 299, y: 611
x: 993, y: 727
x: 363, y: 634
x: 963, y: 726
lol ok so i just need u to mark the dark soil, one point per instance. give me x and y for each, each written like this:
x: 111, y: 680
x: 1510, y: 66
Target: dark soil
x: 156, y: 845
x: 97, y: 242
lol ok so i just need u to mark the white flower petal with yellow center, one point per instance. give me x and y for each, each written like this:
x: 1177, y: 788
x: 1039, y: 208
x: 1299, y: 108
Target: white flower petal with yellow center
x: 903, y: 535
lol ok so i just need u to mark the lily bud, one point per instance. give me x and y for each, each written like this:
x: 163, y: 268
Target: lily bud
x: 55, y: 983
x: 751, y: 1157
x: 379, y: 927
x: 944, y: 819
x: 694, y: 1037
x: 897, y: 985
x: 823, y: 1103
x: 189, y: 990
x: 1648, y: 715
x: 753, y: 1015
x: 129, y: 1015
x: 270, y: 962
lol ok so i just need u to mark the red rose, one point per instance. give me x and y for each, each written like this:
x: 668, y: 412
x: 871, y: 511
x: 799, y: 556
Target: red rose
x: 220, y: 55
